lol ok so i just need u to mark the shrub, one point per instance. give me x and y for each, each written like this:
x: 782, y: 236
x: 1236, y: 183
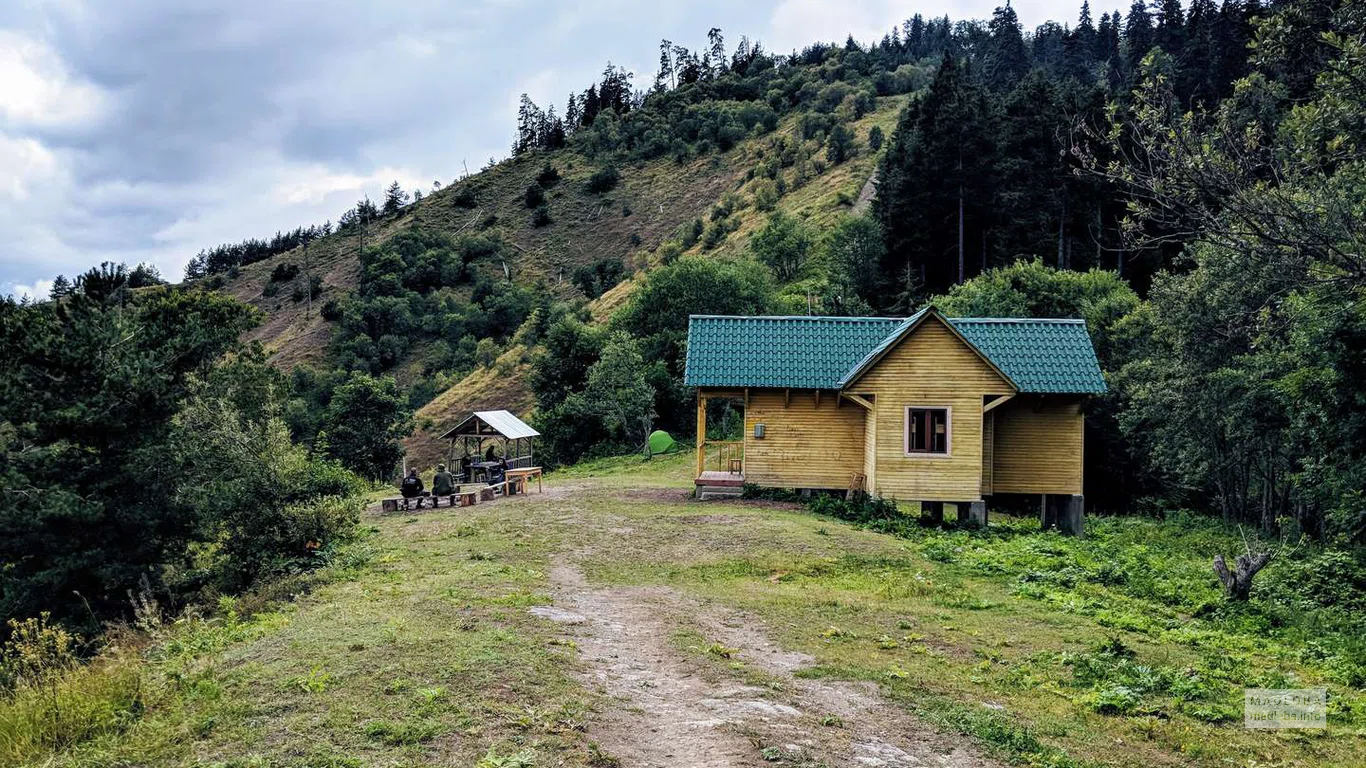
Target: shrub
x: 548, y: 176
x: 331, y: 310
x: 283, y: 273
x: 541, y: 216
x: 464, y: 198
x: 603, y: 180
x: 535, y: 196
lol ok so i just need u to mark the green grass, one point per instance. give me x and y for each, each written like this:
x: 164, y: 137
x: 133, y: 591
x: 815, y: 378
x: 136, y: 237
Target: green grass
x: 1111, y: 650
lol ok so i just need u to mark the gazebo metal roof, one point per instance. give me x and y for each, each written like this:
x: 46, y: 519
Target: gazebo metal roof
x: 491, y: 424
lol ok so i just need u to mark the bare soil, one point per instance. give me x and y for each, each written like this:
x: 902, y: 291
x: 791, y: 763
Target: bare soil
x: 672, y: 707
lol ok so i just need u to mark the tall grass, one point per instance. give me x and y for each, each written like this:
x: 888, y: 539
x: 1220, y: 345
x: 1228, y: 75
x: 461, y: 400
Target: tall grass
x: 50, y: 699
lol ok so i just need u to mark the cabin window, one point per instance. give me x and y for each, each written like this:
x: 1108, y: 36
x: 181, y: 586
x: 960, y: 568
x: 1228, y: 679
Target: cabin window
x: 927, y: 430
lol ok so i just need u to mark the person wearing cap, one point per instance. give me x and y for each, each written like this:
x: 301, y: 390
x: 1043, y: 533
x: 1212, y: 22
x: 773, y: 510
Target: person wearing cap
x: 443, y: 484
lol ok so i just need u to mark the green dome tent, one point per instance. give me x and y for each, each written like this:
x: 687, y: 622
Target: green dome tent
x: 661, y: 442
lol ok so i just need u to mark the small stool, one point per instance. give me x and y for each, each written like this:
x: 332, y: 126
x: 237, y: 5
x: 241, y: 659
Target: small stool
x: 736, y: 466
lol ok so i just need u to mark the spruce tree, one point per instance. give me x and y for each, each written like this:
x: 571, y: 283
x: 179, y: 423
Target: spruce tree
x: 394, y: 199
x: 1006, y: 57
x: 934, y: 182
x: 1138, y: 35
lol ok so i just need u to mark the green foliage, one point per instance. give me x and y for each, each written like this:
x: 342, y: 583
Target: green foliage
x: 603, y: 180
x: 541, y: 216
x: 364, y: 423
x: 284, y: 272
x: 853, y: 251
x: 875, y: 138
x: 783, y: 244
x: 50, y: 700
x: 595, y: 279
x: 425, y: 287
x: 535, y: 196
x: 88, y: 394
x: 839, y: 145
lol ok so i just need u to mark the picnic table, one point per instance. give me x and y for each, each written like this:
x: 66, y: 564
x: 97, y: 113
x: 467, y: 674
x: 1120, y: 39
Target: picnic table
x: 523, y: 474
x: 478, y: 468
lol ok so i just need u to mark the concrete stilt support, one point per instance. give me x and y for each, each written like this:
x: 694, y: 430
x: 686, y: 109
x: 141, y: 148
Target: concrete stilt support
x: 973, y: 514
x: 932, y: 512
x: 1071, y: 515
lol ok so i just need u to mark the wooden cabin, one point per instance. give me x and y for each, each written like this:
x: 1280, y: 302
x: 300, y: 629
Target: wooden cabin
x: 927, y: 408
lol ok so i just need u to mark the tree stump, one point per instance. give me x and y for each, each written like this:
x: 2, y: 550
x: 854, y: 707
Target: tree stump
x: 1238, y: 582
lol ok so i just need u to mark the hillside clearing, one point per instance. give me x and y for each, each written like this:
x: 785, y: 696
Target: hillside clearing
x: 613, y: 620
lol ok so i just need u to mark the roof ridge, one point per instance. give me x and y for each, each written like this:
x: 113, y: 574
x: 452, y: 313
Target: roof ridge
x: 826, y: 318
x: 1060, y: 320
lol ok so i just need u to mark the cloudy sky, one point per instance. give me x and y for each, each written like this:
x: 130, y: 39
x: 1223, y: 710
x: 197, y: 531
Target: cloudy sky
x: 145, y: 130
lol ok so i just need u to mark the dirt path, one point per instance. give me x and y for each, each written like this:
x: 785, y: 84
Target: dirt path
x: 671, y: 712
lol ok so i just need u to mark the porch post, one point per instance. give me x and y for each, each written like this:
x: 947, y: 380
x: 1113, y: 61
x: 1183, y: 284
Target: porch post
x: 701, y: 431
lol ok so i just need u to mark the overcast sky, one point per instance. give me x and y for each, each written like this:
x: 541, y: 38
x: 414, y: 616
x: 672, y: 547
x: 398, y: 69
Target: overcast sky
x: 145, y: 130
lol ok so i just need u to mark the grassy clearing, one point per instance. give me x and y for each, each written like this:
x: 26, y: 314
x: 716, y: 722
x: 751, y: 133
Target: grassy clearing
x: 423, y: 655
x: 1114, y: 650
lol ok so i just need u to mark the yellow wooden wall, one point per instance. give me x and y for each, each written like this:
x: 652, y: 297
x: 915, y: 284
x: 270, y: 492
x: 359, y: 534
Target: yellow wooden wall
x: 804, y: 446
x: 932, y: 367
x: 1038, y: 445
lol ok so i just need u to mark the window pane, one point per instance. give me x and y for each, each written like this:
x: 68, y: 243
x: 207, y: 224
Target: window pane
x: 927, y: 430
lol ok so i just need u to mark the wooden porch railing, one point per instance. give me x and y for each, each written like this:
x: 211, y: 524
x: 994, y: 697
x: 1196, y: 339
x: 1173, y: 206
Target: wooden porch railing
x: 717, y: 454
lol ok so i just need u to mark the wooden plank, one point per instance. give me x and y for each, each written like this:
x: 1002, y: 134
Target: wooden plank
x: 804, y: 446
x: 1039, y: 446
x: 701, y: 430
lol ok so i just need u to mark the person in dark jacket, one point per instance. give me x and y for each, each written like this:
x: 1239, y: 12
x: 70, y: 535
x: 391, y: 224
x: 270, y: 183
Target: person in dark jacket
x: 412, y: 488
x: 443, y: 484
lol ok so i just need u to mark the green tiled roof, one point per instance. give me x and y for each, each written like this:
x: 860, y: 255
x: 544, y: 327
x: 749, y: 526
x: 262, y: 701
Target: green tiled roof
x: 1038, y: 356
x: 1043, y: 356
x: 796, y: 352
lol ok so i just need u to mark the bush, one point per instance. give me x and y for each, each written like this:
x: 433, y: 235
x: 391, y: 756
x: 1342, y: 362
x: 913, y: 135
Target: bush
x: 541, y: 216
x: 535, y: 196
x: 331, y: 310
x: 283, y: 273
x: 875, y: 138
x: 548, y: 176
x: 603, y: 180
x: 464, y: 197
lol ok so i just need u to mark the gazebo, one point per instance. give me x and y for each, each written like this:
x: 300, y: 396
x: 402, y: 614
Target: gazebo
x: 517, y: 437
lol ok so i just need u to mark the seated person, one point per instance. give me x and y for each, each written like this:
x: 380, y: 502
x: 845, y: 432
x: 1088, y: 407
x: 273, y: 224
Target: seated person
x: 412, y: 488
x: 443, y: 484
x: 465, y: 463
x: 491, y: 454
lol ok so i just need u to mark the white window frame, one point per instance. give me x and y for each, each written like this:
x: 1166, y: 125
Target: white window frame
x: 906, y: 432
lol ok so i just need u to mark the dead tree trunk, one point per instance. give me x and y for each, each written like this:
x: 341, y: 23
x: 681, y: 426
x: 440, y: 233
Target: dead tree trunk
x: 1238, y: 583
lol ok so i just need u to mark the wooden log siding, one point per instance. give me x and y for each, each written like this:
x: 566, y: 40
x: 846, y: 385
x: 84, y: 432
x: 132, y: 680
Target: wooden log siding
x: 934, y: 368
x: 1038, y: 445
x: 804, y: 446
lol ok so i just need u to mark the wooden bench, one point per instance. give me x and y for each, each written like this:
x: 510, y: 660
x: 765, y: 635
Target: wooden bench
x: 401, y: 502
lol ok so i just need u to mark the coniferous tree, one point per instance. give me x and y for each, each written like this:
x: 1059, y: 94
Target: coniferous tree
x: 716, y: 50
x: 934, y: 182
x: 664, y: 80
x: 1006, y: 58
x: 394, y: 199
x: 61, y: 288
x: 1170, y: 27
x: 1138, y: 35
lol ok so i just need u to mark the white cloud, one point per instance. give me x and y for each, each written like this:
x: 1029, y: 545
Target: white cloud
x: 39, y: 290
x: 23, y: 162
x: 38, y: 90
